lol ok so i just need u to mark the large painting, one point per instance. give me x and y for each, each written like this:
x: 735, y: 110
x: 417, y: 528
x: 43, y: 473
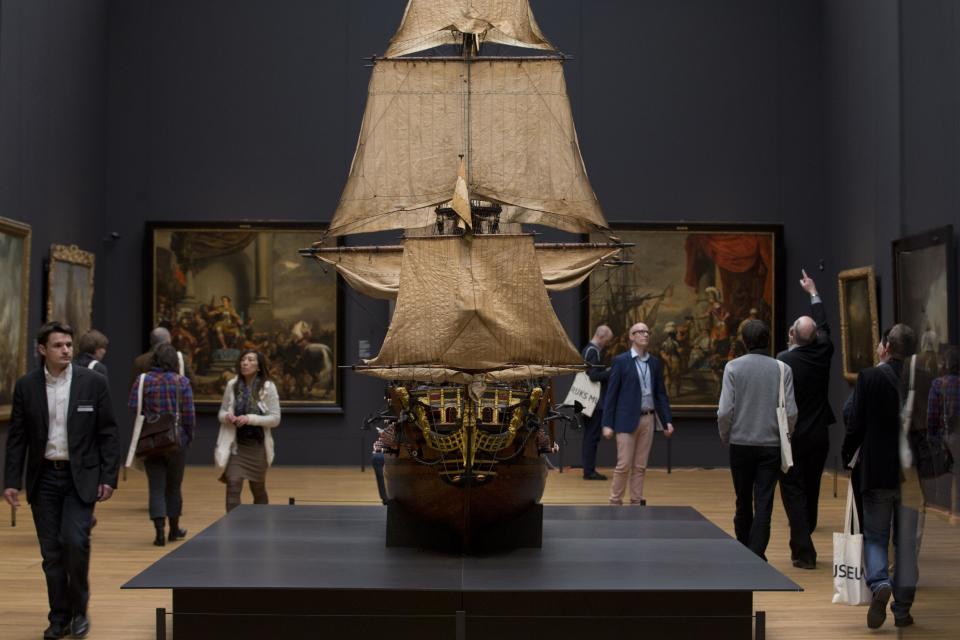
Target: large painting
x: 859, y: 323
x: 925, y: 289
x: 694, y: 286
x: 222, y: 288
x: 14, y: 291
x: 70, y: 287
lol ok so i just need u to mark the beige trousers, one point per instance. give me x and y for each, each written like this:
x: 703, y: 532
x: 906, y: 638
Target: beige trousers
x: 633, y: 451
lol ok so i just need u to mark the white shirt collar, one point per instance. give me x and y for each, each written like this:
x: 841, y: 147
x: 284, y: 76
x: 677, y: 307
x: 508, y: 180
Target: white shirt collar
x: 636, y: 354
x: 65, y: 376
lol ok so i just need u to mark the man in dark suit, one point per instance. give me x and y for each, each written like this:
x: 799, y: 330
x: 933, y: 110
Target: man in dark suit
x: 593, y: 356
x: 873, y: 434
x: 809, y: 355
x: 62, y: 425
x: 635, y: 394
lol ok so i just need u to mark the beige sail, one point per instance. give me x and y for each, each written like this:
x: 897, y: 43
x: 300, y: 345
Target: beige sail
x: 473, y: 304
x: 522, y: 153
x: 432, y: 23
x: 375, y: 271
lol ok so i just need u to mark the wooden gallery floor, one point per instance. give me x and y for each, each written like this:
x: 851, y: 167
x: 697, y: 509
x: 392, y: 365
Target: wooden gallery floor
x: 122, y: 547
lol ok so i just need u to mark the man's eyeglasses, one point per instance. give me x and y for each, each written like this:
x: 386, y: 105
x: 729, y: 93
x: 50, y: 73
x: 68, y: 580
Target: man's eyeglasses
x: 641, y: 331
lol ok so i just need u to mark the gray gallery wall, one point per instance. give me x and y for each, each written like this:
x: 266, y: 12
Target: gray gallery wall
x: 792, y: 111
x: 53, y: 132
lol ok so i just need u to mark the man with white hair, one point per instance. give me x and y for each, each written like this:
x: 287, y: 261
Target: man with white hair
x: 809, y: 354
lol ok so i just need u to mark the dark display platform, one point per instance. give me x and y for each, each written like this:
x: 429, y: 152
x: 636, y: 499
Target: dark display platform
x: 291, y: 571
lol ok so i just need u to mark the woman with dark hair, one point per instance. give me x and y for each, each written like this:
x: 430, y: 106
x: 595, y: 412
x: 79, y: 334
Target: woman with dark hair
x: 250, y: 411
x: 165, y: 391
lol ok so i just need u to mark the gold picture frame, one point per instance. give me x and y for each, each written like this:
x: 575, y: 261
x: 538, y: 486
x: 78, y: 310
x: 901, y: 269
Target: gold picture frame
x: 680, y: 283
x: 15, y: 292
x: 221, y: 287
x: 70, y: 287
x: 859, y: 321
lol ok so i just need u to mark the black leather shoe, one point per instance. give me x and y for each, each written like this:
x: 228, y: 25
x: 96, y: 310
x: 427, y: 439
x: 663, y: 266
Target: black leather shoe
x: 903, y: 621
x: 593, y: 475
x: 80, y: 625
x: 56, y: 630
x: 177, y: 534
x: 805, y: 564
x: 878, y: 606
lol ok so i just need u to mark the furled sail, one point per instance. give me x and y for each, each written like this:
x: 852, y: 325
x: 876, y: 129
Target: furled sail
x: 511, y: 122
x: 375, y: 271
x: 473, y: 304
x: 432, y: 23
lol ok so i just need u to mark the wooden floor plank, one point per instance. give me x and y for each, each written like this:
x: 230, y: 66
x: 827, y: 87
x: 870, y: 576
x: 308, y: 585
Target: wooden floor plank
x: 122, y: 548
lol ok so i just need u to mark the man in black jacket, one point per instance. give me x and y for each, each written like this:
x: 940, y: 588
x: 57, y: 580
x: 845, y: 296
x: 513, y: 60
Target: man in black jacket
x: 809, y: 355
x: 593, y: 356
x: 873, y: 434
x: 62, y: 425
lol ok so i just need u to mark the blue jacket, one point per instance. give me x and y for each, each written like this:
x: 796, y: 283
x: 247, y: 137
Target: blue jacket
x: 621, y: 407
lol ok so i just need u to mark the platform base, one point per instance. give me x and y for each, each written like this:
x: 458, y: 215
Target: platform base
x: 324, y: 571
x: 406, y: 530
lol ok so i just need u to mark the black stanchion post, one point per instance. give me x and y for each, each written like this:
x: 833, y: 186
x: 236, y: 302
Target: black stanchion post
x: 669, y: 455
x: 761, y: 631
x: 363, y: 450
x: 461, y: 625
x: 161, y: 623
x: 291, y: 501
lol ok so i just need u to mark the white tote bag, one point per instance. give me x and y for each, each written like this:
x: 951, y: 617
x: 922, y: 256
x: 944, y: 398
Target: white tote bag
x: 849, y: 576
x: 783, y: 422
x: 585, y: 391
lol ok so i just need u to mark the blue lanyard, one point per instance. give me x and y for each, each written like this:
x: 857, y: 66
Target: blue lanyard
x: 643, y: 370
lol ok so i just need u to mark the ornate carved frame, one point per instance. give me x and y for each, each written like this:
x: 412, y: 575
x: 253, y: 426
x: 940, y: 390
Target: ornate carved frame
x: 842, y: 279
x: 24, y: 231
x: 71, y: 254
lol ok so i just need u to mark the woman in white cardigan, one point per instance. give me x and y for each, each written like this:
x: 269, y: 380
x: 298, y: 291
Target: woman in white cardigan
x: 249, y: 413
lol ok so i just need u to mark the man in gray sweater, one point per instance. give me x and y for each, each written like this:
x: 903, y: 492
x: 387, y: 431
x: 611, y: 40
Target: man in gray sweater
x: 747, y: 418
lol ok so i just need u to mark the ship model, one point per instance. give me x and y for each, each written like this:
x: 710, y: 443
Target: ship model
x: 459, y: 149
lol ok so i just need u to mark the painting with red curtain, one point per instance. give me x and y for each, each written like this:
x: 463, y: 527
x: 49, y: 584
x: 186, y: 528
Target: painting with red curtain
x: 695, y: 286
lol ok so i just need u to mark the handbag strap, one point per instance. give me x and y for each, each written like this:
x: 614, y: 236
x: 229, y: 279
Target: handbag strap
x: 140, y: 394
x: 851, y: 513
x: 178, y: 398
x: 782, y: 402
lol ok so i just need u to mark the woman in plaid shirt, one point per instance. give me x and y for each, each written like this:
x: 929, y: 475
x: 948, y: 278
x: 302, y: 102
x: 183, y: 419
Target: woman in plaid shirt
x: 165, y: 472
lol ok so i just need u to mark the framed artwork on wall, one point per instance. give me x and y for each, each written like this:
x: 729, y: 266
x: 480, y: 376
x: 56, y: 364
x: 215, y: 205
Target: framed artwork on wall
x: 694, y: 285
x: 70, y: 287
x: 15, y: 293
x: 925, y: 285
x: 224, y: 287
x: 859, y: 321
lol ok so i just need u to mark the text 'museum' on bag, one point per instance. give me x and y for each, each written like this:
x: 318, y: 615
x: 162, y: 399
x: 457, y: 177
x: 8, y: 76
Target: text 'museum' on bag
x: 585, y: 391
x: 849, y: 579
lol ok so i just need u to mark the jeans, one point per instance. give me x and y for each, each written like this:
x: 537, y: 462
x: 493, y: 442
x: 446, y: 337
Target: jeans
x: 164, y: 479
x: 377, y: 462
x: 755, y: 471
x: 881, y: 507
x: 63, y: 524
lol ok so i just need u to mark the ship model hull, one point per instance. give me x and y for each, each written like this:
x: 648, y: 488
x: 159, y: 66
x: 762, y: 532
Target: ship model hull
x: 428, y: 512
x: 462, y: 465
